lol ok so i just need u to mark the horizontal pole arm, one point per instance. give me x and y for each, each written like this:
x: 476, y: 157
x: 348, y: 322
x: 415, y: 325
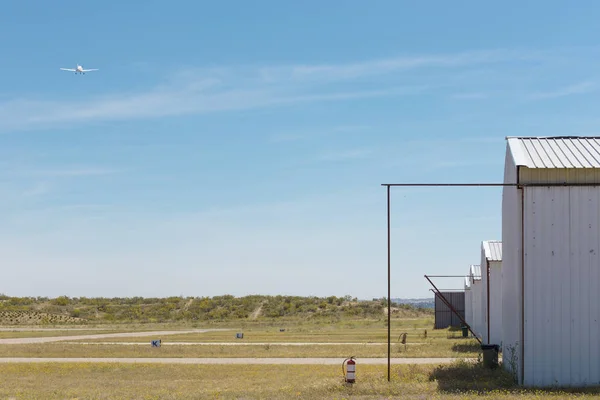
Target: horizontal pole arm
x: 520, y: 185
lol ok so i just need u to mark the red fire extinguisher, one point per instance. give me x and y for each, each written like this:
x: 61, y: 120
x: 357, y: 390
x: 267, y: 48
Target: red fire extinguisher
x: 350, y: 371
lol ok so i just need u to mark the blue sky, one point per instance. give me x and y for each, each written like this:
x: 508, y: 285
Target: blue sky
x: 239, y: 147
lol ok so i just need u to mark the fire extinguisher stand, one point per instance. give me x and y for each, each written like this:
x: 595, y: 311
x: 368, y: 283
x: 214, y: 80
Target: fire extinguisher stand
x: 350, y: 371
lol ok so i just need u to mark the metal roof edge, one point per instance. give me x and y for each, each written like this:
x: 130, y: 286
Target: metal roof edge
x: 554, y: 152
x: 553, y: 137
x: 517, y: 152
x: 487, y: 250
x: 472, y: 272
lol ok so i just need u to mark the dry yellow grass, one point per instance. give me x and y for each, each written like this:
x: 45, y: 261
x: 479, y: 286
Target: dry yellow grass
x: 437, y: 348
x: 168, y: 381
x: 436, y: 344
x: 305, y: 334
x: 315, y: 336
x: 165, y: 382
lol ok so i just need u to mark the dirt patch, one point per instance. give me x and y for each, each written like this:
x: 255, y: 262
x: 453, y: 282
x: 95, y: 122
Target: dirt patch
x: 256, y: 313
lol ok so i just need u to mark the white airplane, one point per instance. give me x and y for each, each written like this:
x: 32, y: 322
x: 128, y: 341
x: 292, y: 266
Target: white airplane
x: 79, y: 69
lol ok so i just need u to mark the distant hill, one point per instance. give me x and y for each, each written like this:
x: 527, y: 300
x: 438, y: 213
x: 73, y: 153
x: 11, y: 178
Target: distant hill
x: 422, y: 303
x: 63, y: 309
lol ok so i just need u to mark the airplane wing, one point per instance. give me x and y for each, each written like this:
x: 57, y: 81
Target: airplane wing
x: 88, y: 70
x: 68, y: 69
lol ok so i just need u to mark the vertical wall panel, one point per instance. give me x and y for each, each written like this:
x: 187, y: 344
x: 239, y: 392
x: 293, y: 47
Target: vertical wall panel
x: 484, y: 297
x: 563, y: 273
x: 561, y: 286
x: 496, y: 303
x: 531, y: 246
x: 491, y: 271
x: 577, y: 289
x: 468, y: 303
x: 444, y: 316
x: 584, y: 283
x: 546, y: 250
x: 477, y: 316
x: 511, y: 268
x: 593, y: 262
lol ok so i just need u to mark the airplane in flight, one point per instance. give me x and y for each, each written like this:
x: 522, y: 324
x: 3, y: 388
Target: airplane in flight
x: 79, y: 69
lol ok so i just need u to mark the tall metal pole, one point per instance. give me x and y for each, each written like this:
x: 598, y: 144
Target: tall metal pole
x: 389, y: 332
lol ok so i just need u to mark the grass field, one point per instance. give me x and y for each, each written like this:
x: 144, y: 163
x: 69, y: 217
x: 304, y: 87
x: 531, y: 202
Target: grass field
x: 145, y: 381
x: 350, y: 331
x: 303, y: 334
x: 460, y: 349
x: 262, y: 338
x: 270, y: 342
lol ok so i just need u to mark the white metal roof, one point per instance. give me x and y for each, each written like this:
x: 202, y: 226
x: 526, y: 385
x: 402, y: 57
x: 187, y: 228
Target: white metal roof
x: 475, y: 272
x: 467, y: 284
x: 492, y: 250
x: 556, y: 151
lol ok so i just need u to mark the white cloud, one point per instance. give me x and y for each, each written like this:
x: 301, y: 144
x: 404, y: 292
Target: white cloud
x: 287, y: 137
x: 20, y: 186
x: 383, y: 66
x: 38, y: 189
x: 155, y: 103
x: 207, y: 90
x: 342, y: 155
x: 578, y: 88
x: 444, y: 142
x: 69, y: 172
x: 294, y: 136
x: 470, y: 96
x: 352, y: 128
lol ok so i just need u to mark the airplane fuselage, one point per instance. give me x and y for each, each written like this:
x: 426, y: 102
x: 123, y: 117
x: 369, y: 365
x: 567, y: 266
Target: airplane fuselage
x: 79, y: 69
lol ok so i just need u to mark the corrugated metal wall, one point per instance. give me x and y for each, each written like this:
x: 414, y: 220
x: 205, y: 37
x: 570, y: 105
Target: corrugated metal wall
x: 468, y: 303
x: 496, y: 302
x: 560, y: 343
x: 511, y: 270
x: 444, y: 317
x: 483, y: 302
x: 562, y: 286
x: 495, y: 298
x: 477, y: 294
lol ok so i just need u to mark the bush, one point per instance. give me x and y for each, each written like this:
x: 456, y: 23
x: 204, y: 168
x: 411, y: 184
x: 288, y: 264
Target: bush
x: 61, y: 301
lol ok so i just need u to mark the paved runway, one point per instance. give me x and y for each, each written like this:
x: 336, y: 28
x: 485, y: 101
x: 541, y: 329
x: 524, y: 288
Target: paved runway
x: 240, y: 343
x: 51, y: 339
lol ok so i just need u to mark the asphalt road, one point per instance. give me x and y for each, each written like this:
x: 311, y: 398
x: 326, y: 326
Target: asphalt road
x: 156, y: 334
x: 239, y: 344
